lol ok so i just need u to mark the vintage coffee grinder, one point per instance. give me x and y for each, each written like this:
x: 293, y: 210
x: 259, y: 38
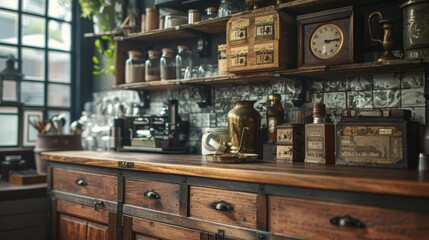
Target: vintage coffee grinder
x: 387, y: 42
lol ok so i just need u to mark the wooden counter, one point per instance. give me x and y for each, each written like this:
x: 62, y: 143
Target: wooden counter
x: 403, y: 182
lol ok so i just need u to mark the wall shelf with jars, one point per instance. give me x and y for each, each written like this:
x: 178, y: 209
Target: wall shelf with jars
x: 216, y: 26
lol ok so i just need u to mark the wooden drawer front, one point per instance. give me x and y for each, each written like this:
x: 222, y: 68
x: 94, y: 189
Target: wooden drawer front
x: 158, y: 196
x: 85, y: 212
x: 312, y: 220
x: 146, y: 229
x: 84, y: 183
x: 230, y: 207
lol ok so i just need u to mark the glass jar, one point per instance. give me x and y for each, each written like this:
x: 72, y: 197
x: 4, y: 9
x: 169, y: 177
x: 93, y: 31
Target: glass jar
x: 183, y: 60
x: 168, y: 64
x: 228, y: 7
x: 152, y: 66
x: 134, y: 67
x: 275, y: 116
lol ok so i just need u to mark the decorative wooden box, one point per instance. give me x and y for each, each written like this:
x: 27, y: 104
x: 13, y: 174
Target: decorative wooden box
x: 388, y: 143
x: 264, y: 39
x: 290, y: 143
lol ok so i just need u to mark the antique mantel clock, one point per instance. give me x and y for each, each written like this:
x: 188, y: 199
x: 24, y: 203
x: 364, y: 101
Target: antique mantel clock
x: 330, y: 37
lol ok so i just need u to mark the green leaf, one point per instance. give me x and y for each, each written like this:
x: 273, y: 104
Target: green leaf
x: 95, y: 60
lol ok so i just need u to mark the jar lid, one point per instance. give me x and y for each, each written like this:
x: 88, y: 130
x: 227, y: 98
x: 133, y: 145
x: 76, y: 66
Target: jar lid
x: 151, y: 9
x: 193, y: 11
x: 135, y: 53
x: 274, y: 97
x: 169, y: 50
x: 152, y: 52
x: 183, y: 47
x: 319, y: 110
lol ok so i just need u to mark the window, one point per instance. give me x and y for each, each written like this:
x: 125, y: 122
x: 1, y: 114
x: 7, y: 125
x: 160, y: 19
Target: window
x: 38, y: 33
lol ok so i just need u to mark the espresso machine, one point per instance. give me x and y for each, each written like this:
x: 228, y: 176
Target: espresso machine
x: 165, y: 132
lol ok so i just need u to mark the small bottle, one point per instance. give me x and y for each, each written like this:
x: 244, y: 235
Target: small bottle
x: 167, y: 64
x: 183, y: 60
x: 134, y: 67
x: 319, y: 138
x: 152, y: 66
x: 275, y: 116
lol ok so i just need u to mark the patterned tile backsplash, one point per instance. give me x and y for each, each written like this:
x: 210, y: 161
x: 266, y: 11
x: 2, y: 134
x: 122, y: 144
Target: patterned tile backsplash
x: 392, y: 90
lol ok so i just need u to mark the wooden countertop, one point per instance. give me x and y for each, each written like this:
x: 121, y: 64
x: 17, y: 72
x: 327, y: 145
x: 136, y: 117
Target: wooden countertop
x: 404, y: 182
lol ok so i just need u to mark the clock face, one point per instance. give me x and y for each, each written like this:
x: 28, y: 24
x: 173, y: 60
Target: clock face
x: 326, y: 41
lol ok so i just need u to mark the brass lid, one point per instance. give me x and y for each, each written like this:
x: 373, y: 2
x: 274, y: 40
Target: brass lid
x: 406, y: 3
x: 319, y: 110
x: 272, y: 97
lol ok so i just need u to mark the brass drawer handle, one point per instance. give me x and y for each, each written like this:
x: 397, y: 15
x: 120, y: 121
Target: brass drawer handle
x: 81, y: 182
x: 151, y: 194
x: 347, y: 221
x: 222, y: 206
x: 98, y: 205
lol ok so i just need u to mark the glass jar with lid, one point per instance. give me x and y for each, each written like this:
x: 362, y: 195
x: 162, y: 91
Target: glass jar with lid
x: 275, y: 116
x: 183, y: 60
x: 152, y: 66
x: 134, y: 67
x: 167, y: 64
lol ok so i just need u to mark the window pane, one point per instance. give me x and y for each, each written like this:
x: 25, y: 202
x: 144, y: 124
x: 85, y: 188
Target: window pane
x: 11, y: 4
x: 4, y: 50
x: 34, y: 6
x: 59, y: 67
x: 33, y: 64
x: 9, y: 27
x: 58, y: 95
x: 59, y: 35
x: 9, y: 127
x: 66, y: 128
x: 33, y: 31
x: 60, y: 9
x: 32, y: 93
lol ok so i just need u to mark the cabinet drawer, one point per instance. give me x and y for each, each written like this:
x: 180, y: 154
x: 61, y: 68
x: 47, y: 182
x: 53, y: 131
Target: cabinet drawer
x: 309, y: 219
x: 229, y: 207
x: 148, y: 230
x: 154, y: 195
x: 84, y: 183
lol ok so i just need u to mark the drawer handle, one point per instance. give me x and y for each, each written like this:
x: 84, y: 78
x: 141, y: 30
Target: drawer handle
x: 81, y: 182
x: 222, y: 206
x: 98, y: 205
x: 151, y: 194
x: 347, y: 221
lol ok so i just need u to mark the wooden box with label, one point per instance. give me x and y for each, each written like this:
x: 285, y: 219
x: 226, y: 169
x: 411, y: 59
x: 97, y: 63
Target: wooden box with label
x: 264, y: 39
x: 290, y: 143
x: 383, y: 143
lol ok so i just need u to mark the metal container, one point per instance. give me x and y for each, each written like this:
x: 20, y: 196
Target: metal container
x: 415, y: 19
x: 243, y: 125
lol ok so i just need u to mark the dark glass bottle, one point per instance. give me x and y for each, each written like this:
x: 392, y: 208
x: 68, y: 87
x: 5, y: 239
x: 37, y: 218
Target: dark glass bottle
x: 275, y: 116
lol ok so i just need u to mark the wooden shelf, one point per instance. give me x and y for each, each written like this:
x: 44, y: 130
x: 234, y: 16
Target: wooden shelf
x: 398, y: 65
x: 307, y: 6
x: 186, y: 31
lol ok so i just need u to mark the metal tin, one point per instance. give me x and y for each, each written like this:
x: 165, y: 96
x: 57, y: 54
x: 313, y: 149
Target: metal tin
x: 193, y: 16
x: 415, y: 19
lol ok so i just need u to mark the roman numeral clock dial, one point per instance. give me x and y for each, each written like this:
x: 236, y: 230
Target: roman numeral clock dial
x: 326, y: 41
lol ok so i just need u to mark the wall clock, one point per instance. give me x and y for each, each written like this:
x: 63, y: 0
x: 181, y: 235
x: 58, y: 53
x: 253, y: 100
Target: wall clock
x: 330, y: 37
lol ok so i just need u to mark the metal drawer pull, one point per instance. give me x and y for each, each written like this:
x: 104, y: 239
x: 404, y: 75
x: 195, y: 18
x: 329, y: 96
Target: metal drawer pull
x: 81, y: 182
x: 98, y: 205
x: 347, y: 221
x: 221, y: 206
x: 151, y: 194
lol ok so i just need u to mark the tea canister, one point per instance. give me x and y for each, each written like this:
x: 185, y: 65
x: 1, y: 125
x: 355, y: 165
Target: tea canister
x: 415, y: 19
x: 168, y: 64
x: 243, y: 126
x: 134, y: 67
x: 152, y: 66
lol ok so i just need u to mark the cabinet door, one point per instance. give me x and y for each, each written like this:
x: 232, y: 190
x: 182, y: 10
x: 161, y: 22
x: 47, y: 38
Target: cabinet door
x: 71, y: 228
x: 97, y: 231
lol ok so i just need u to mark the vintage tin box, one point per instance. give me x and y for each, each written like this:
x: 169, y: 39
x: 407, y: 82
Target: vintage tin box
x: 380, y: 142
x: 290, y: 143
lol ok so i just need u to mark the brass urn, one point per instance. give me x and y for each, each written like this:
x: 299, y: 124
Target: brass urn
x: 243, y: 126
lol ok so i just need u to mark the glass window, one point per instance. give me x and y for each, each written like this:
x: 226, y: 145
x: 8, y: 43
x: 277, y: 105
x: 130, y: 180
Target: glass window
x: 59, y: 35
x: 33, y: 31
x: 32, y: 93
x: 6, y: 50
x: 34, y: 6
x: 9, y: 27
x: 60, y: 9
x: 11, y: 4
x: 33, y: 64
x: 59, y: 95
x: 9, y: 127
x: 59, y: 67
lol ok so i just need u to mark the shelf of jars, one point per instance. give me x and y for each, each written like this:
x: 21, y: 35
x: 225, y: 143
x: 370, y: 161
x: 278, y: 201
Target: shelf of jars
x: 398, y: 65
